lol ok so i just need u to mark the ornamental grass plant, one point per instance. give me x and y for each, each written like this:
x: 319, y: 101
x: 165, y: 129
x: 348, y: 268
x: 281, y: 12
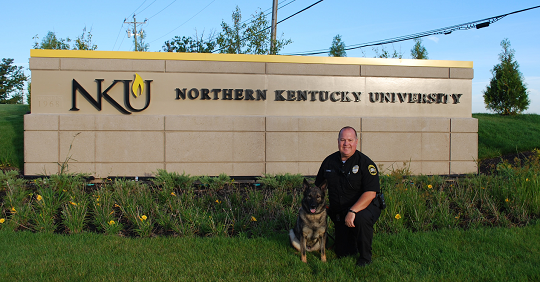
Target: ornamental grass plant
x: 183, y: 205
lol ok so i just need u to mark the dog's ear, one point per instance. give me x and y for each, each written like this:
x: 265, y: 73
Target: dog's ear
x: 323, y: 186
x: 305, y: 185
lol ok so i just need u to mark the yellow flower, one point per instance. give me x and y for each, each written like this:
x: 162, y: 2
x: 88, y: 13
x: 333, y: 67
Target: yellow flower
x: 527, y: 179
x: 2, y: 220
x: 507, y: 200
x: 218, y: 201
x: 39, y: 198
x: 143, y: 217
x: 111, y: 212
x: 13, y: 210
x: 253, y: 218
x: 429, y: 186
x: 173, y: 194
x: 97, y: 204
x: 73, y: 203
x: 111, y: 222
x: 398, y: 216
x: 116, y: 206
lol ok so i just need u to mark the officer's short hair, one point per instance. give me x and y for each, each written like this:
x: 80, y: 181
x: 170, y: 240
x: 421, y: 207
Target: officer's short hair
x: 347, y: 127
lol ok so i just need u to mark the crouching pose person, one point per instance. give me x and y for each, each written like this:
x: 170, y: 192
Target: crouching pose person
x: 352, y: 185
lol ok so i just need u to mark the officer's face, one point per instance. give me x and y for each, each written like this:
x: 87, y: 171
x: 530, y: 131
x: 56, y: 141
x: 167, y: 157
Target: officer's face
x: 347, y: 143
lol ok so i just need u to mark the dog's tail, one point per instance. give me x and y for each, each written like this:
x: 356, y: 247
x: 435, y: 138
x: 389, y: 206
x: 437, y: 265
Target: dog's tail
x: 295, y: 242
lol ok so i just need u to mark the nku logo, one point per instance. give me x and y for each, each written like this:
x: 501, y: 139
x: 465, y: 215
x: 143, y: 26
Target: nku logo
x: 137, y: 89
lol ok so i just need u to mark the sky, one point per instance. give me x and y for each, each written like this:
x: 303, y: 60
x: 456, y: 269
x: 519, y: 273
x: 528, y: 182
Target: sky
x: 356, y: 21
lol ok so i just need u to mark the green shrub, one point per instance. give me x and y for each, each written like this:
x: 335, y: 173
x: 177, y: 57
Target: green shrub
x: 285, y: 181
x: 173, y: 180
x: 215, y: 183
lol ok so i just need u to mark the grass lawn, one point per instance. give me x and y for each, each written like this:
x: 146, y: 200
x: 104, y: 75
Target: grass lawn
x: 12, y: 135
x: 491, y: 254
x: 501, y: 135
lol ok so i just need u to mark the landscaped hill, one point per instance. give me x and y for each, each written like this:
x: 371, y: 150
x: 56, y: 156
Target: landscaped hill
x: 503, y: 135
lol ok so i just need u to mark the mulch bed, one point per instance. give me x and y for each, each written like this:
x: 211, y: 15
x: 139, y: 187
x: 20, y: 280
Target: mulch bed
x: 488, y: 166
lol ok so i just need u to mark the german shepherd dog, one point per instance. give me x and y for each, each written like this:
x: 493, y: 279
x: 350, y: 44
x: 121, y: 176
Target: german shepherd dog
x: 309, y: 234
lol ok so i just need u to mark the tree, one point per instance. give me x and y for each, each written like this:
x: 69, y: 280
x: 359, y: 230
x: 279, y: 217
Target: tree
x: 52, y: 42
x: 386, y: 54
x: 231, y: 39
x: 418, y: 51
x: 12, y: 80
x: 28, y: 95
x: 190, y: 45
x: 140, y: 45
x: 338, y: 47
x: 84, y: 41
x: 506, y: 93
x: 250, y: 38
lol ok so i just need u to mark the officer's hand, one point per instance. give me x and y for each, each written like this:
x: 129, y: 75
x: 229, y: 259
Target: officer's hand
x: 349, y: 219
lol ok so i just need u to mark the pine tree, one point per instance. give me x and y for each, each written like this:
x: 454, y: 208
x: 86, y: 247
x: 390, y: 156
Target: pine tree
x: 12, y: 80
x: 418, y: 51
x: 506, y: 93
x: 338, y: 47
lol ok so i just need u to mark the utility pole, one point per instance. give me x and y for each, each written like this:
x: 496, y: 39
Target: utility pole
x: 274, y: 24
x: 134, y: 23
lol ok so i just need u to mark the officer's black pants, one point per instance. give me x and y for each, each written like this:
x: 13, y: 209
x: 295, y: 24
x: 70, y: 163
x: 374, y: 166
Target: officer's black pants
x: 353, y: 240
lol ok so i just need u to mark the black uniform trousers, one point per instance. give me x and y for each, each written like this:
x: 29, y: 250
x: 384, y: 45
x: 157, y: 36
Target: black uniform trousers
x: 356, y: 240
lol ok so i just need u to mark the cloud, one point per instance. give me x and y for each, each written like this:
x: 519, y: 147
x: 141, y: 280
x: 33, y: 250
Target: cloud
x: 434, y: 39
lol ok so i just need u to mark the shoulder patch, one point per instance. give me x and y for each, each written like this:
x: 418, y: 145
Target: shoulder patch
x: 372, y: 170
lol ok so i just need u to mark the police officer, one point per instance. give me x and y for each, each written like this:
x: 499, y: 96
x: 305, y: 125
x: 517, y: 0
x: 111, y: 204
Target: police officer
x: 353, y: 184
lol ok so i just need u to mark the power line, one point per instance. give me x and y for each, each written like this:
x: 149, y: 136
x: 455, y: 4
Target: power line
x: 121, y: 42
x: 446, y: 30
x: 282, y: 6
x: 148, y: 6
x: 183, y: 22
x: 120, y: 31
x: 137, y: 9
x: 299, y: 12
x: 161, y: 9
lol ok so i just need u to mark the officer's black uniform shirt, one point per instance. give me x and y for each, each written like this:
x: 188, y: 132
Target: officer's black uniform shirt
x: 347, y: 181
